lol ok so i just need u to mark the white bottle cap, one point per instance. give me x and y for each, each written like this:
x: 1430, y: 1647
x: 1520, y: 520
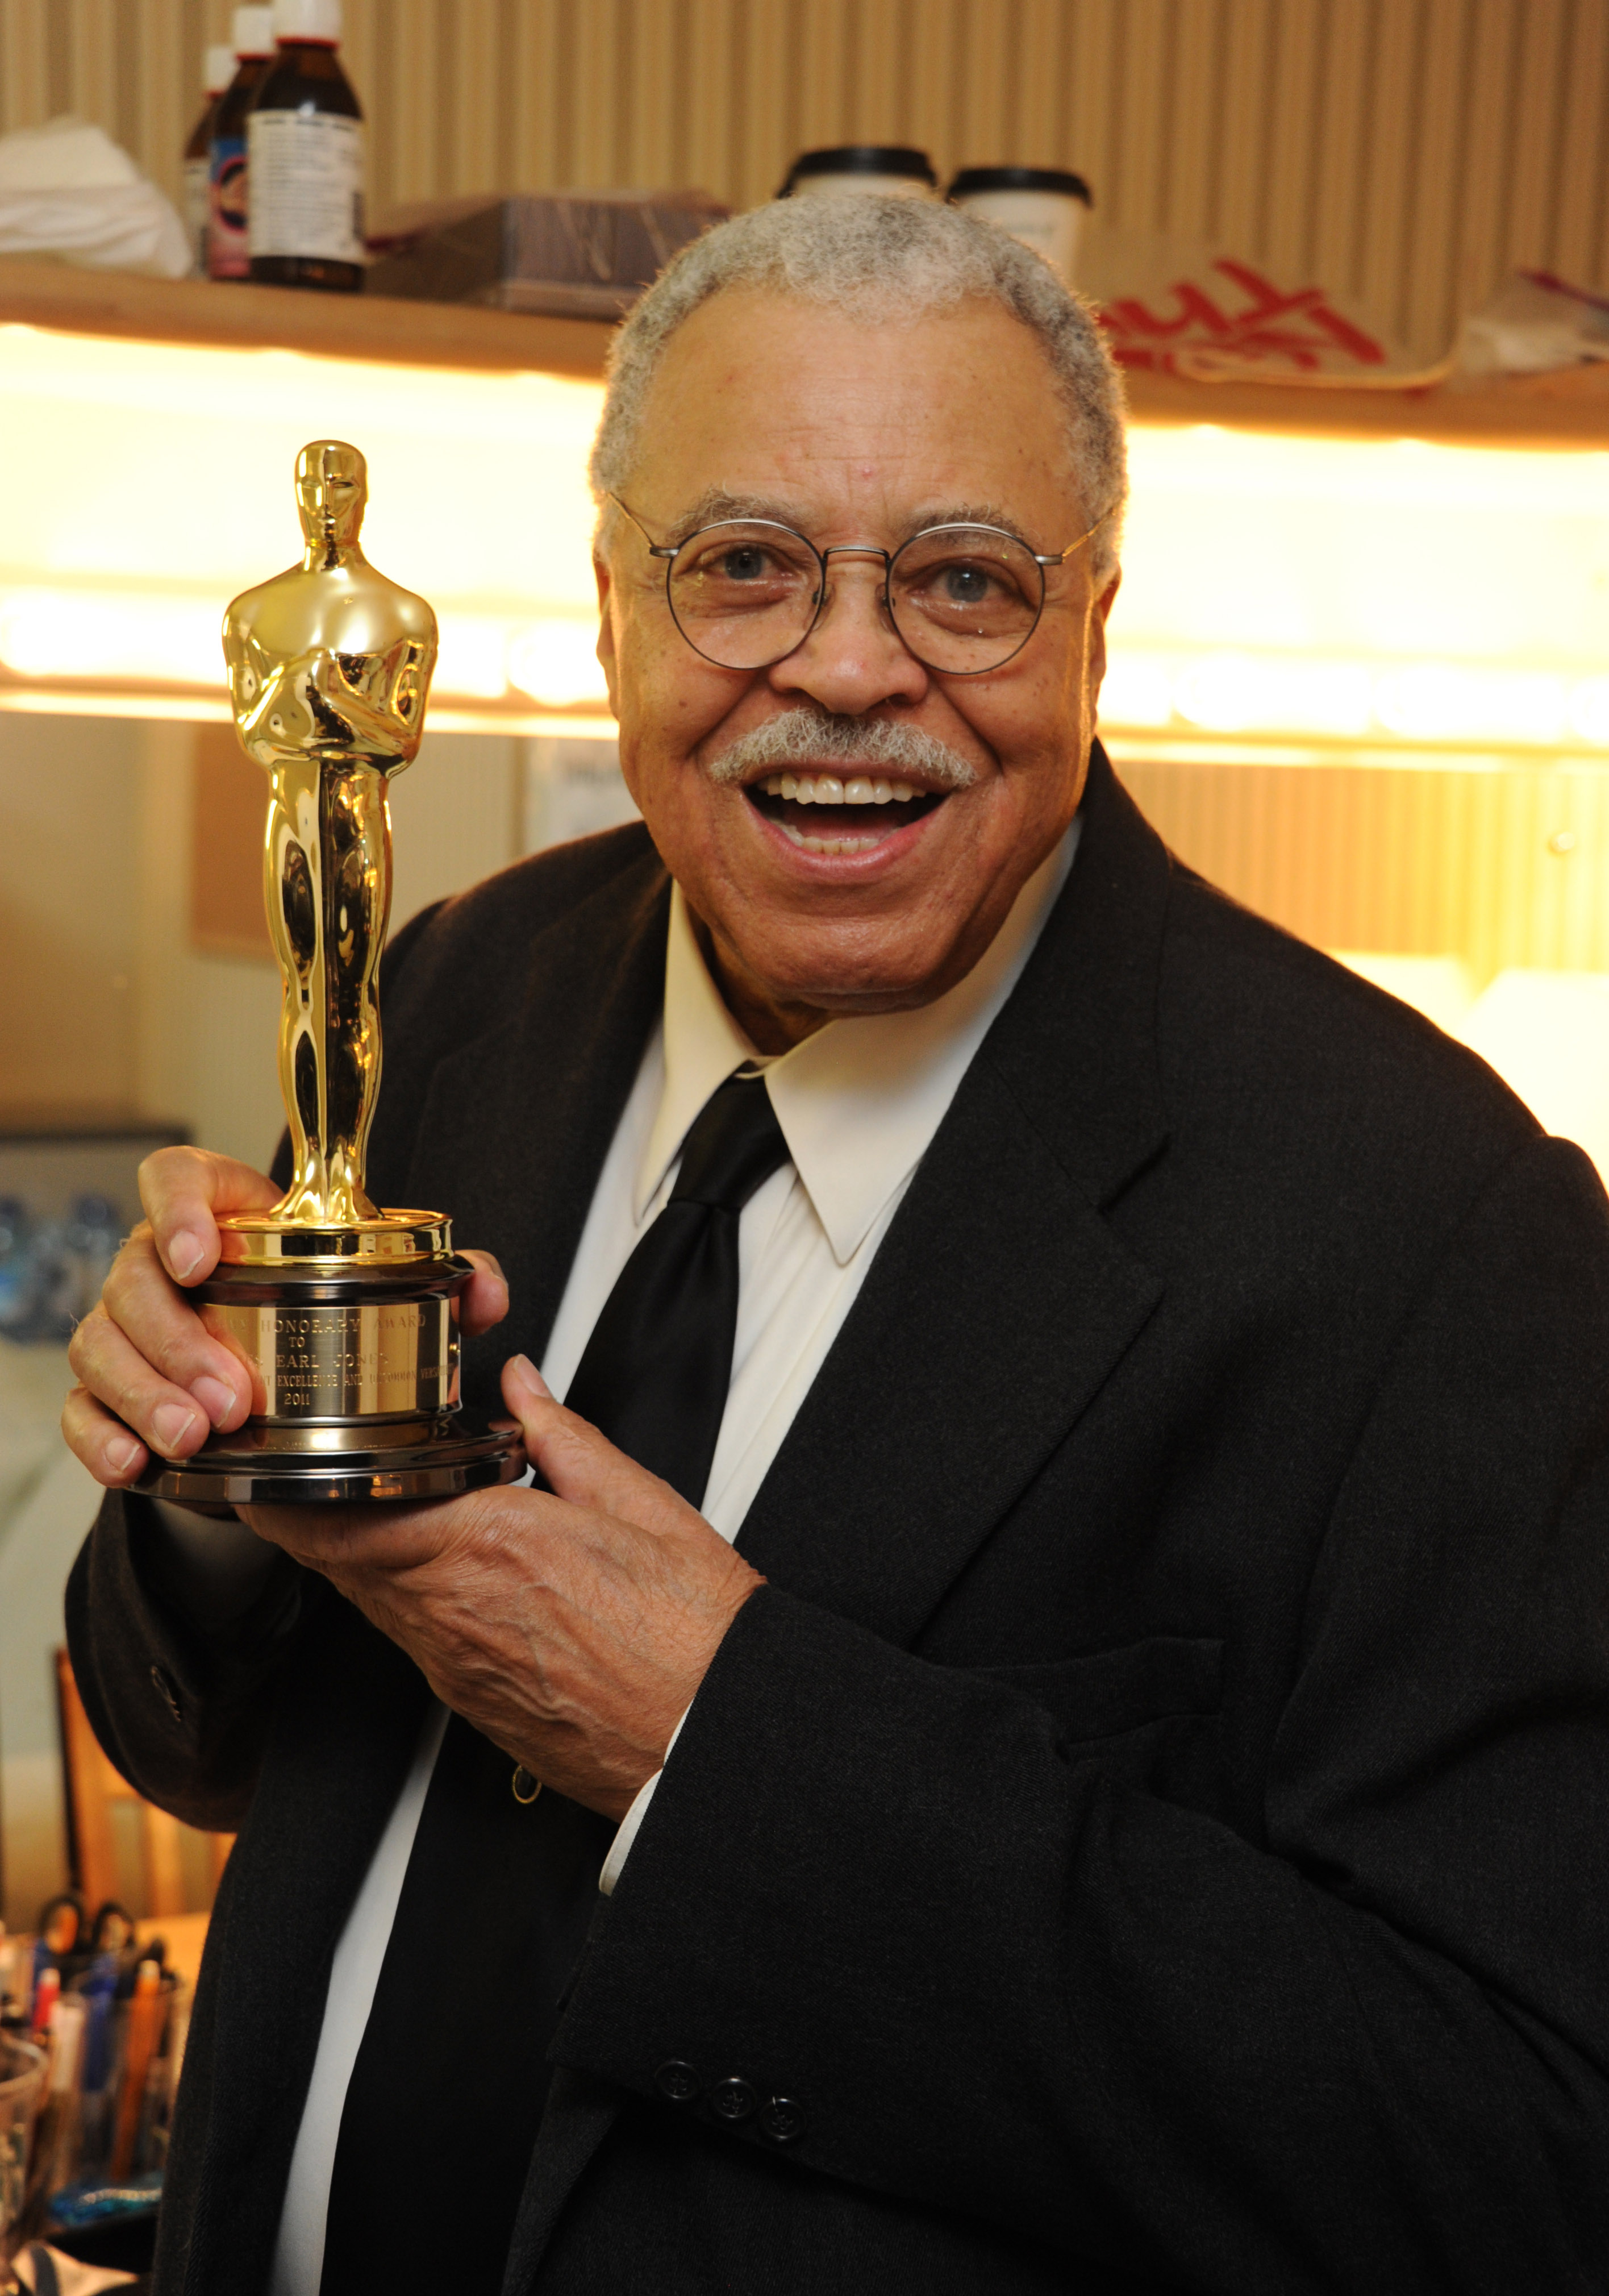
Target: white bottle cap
x: 217, y: 69
x: 307, y: 20
x: 254, y: 31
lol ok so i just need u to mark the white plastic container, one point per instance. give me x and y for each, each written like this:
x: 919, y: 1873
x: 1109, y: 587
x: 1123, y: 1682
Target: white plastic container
x: 896, y: 170
x: 1043, y: 207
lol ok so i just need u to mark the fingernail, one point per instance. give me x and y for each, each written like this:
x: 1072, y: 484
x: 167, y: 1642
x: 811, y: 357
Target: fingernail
x: 215, y: 1399
x: 526, y: 1371
x: 185, y: 1254
x: 171, y: 1423
x: 121, y: 1453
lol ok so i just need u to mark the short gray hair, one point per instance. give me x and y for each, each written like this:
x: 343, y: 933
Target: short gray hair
x: 878, y: 258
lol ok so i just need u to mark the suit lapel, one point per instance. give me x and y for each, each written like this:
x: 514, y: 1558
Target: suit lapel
x: 1000, y: 1298
x: 995, y: 1309
x: 517, y: 1125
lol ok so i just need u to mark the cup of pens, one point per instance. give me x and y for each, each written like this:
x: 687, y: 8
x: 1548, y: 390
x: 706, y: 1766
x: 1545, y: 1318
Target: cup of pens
x: 107, y: 2043
x: 103, y: 2132
x: 22, y: 2070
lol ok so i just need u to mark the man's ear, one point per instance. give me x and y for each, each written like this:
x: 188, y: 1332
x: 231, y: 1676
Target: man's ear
x: 1097, y: 662
x: 605, y: 632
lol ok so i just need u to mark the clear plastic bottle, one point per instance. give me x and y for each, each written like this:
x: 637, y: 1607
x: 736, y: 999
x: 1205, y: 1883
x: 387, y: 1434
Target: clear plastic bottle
x: 217, y: 69
x: 74, y: 1258
x: 228, y: 254
x: 19, y: 1269
x: 306, y: 157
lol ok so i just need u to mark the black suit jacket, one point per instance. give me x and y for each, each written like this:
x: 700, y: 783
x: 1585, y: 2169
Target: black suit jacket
x: 1154, y: 1823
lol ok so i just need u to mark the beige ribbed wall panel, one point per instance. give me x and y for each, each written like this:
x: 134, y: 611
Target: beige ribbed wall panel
x: 1500, y: 868
x: 1409, y: 152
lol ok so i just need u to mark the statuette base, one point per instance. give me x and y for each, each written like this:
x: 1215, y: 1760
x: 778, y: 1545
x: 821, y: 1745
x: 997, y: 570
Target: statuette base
x: 376, y: 1460
x: 351, y: 1337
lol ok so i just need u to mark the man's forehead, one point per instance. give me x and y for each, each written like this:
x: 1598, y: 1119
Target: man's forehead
x: 769, y: 405
x: 804, y: 505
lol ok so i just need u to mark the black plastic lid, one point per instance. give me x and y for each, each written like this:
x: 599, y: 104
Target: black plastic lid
x: 862, y: 160
x: 1021, y: 179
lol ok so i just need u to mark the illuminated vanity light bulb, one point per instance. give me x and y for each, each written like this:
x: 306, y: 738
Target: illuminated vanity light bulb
x: 75, y: 634
x: 1238, y: 694
x: 1432, y: 701
x: 1138, y: 690
x: 1589, y: 710
x: 556, y: 663
x: 1318, y: 697
x: 473, y: 657
x: 1423, y: 703
x: 1219, y: 694
x: 1546, y: 1034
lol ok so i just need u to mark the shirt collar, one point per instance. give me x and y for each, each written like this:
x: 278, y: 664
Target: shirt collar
x: 858, y: 1102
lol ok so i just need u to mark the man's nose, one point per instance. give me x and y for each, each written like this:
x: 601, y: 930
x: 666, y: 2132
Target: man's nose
x: 855, y: 657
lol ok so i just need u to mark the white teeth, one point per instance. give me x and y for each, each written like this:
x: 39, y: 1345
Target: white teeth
x: 829, y: 845
x: 827, y: 789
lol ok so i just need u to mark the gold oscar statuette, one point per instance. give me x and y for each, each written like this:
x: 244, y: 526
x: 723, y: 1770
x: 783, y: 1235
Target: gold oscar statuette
x: 345, y: 1316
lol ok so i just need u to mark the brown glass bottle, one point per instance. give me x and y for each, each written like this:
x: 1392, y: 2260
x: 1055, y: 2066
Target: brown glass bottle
x: 304, y: 88
x: 227, y: 254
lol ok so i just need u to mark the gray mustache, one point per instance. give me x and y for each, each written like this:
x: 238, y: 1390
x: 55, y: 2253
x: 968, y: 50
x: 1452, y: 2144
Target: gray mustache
x: 800, y: 739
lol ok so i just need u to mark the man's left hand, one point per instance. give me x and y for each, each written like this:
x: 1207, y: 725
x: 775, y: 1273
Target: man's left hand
x: 572, y: 1627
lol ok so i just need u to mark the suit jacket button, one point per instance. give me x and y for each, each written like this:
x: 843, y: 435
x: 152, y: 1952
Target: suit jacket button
x: 677, y: 2081
x: 732, y: 2100
x: 165, y: 1692
x: 783, y: 2121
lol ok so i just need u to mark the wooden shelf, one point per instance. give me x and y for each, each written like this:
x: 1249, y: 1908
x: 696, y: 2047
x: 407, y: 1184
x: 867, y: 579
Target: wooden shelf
x: 1563, y: 410
x: 242, y: 317
x: 1567, y: 410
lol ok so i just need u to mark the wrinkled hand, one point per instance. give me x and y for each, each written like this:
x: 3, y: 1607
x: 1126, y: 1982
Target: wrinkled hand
x: 571, y: 1629
x: 152, y: 1377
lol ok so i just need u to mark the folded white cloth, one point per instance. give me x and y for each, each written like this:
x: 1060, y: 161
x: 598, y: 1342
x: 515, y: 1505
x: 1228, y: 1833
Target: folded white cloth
x: 1533, y: 325
x: 67, y: 190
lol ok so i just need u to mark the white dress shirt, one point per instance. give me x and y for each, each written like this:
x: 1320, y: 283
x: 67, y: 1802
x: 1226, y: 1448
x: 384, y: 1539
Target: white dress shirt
x: 858, y: 1105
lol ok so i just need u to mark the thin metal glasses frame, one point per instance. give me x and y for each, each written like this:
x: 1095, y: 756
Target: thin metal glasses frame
x: 671, y: 551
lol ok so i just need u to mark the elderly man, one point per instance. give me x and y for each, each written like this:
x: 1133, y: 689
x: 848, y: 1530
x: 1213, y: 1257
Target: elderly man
x: 1047, y: 1723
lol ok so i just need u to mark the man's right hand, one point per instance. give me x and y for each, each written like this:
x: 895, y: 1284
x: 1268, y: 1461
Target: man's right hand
x: 152, y: 1377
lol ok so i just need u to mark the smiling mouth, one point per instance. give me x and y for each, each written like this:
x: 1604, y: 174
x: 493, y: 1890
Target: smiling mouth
x: 823, y: 813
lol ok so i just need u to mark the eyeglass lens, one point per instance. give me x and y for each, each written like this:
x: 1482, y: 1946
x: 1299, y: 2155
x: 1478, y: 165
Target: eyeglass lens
x: 963, y: 599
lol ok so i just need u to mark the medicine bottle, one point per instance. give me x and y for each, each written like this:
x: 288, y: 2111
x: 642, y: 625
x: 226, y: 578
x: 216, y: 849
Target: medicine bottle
x: 217, y: 69
x: 306, y: 154
x: 228, y: 255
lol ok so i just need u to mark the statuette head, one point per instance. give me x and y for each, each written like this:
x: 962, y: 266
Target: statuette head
x: 331, y: 488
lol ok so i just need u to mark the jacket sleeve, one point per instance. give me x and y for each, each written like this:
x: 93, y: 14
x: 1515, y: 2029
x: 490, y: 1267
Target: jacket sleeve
x: 182, y: 1712
x: 1367, y: 2050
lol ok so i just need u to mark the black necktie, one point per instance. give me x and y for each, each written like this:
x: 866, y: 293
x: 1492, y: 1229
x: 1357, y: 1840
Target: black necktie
x: 657, y: 1369
x: 442, y: 2106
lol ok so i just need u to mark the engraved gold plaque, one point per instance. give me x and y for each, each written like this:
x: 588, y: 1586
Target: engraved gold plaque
x: 345, y: 1316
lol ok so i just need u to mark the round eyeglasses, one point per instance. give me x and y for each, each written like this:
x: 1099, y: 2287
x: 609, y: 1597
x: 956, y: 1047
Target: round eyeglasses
x: 746, y: 593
